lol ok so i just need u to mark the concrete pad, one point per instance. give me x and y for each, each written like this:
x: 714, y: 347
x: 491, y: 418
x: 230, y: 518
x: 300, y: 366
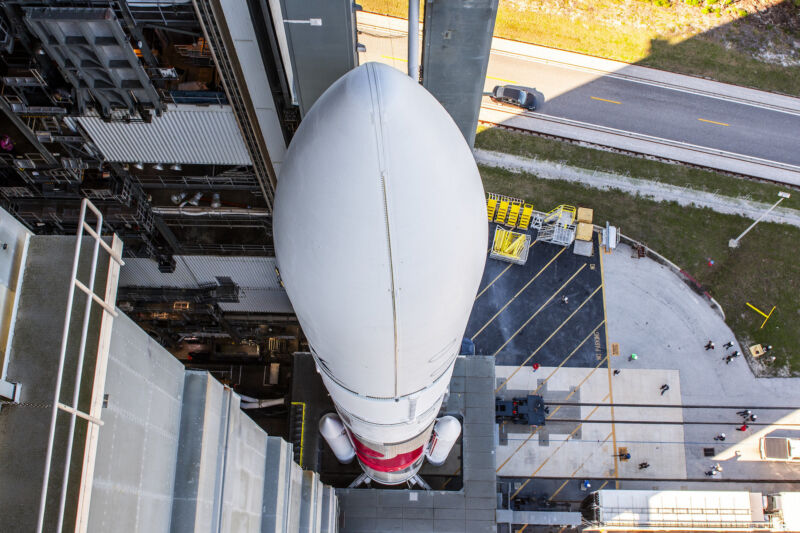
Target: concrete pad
x: 566, y: 447
x: 653, y: 313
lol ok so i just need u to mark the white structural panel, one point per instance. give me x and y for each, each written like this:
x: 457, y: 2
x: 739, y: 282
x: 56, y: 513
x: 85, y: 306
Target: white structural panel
x: 380, y: 233
x: 642, y: 507
x: 186, y: 134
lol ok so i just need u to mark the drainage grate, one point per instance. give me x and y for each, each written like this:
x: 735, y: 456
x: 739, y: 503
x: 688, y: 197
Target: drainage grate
x: 708, y: 452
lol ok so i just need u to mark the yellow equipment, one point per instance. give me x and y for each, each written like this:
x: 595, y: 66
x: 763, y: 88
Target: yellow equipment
x: 491, y: 207
x: 502, y: 212
x: 513, y: 215
x: 525, y: 218
x: 510, y: 246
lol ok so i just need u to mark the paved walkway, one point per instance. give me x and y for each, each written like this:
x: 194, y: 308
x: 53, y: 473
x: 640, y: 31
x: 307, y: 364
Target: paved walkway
x: 652, y: 313
x: 636, y: 186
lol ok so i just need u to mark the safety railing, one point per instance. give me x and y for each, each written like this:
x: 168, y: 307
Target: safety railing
x: 72, y: 409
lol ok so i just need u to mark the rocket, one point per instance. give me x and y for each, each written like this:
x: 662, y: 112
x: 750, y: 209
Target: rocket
x: 380, y: 235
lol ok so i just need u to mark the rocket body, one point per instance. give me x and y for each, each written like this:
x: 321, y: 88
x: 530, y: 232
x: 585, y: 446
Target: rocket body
x: 380, y: 233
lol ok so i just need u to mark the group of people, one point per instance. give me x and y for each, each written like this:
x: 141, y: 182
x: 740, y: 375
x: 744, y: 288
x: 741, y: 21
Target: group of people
x: 747, y: 417
x: 728, y: 358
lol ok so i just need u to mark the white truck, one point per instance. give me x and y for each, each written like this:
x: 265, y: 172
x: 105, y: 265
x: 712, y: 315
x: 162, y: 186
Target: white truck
x: 780, y: 449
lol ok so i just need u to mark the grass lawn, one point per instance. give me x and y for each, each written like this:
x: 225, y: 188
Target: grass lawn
x: 697, y: 56
x: 531, y: 146
x: 762, y: 270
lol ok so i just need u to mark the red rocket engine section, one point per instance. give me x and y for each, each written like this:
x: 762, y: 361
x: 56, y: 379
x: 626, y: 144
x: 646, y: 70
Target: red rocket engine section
x: 376, y: 461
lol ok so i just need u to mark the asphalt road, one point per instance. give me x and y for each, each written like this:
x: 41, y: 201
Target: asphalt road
x: 635, y: 107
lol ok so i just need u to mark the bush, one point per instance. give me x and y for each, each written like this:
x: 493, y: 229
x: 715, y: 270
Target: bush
x: 706, y: 10
x: 741, y: 12
x: 711, y: 2
x: 692, y: 2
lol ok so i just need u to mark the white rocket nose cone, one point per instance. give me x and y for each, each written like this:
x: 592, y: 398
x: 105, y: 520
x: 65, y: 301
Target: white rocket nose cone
x: 380, y: 231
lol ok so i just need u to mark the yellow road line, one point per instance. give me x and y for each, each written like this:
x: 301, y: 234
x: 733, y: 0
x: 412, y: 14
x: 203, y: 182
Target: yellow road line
x: 538, y: 310
x: 610, y: 388
x: 570, y: 355
x: 518, y: 293
x: 525, y: 362
x: 579, y: 426
x: 604, y: 100
x: 501, y: 79
x: 446, y: 481
x: 549, y: 416
x: 603, y: 485
x: 572, y: 475
x: 713, y: 122
x: 500, y: 274
x: 533, y: 432
x: 395, y: 58
x: 523, y: 528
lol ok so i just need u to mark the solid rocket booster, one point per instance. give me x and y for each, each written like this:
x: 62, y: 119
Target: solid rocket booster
x: 380, y: 233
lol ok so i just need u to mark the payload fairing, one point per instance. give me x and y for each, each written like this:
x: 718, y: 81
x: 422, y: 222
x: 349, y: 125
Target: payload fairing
x: 380, y: 234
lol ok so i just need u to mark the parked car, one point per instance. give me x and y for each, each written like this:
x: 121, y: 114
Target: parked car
x: 780, y: 449
x: 514, y: 96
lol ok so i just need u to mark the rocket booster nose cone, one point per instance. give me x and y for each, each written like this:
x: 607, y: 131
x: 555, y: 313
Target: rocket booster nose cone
x: 380, y: 231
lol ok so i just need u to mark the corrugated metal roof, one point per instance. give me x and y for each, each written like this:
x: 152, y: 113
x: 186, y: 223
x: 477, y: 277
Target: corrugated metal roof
x: 260, y: 290
x: 185, y: 134
x: 260, y: 301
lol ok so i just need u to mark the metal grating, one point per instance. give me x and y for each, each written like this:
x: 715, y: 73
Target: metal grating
x: 186, y: 134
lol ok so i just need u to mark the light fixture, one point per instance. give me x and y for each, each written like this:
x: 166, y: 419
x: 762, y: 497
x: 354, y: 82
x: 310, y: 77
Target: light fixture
x: 195, y: 201
x: 176, y: 167
x: 178, y: 198
x: 215, y: 202
x: 139, y: 165
x: 158, y: 166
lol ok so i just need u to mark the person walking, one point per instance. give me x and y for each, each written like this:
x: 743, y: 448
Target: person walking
x: 743, y: 427
x: 625, y: 456
x: 728, y: 344
x: 617, y: 371
x: 633, y: 357
x: 745, y: 414
x: 728, y: 359
x: 709, y: 345
x: 717, y: 467
x: 720, y: 437
x: 712, y: 473
x: 644, y: 465
x: 565, y: 299
x: 753, y: 418
x: 664, y: 388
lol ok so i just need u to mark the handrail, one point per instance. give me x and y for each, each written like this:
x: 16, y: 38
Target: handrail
x: 57, y: 404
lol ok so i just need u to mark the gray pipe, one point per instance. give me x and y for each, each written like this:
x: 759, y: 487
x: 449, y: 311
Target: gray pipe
x: 413, y: 39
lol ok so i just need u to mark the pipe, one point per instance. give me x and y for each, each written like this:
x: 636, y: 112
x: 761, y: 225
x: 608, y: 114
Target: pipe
x: 206, y: 211
x: 413, y: 39
x: 258, y: 404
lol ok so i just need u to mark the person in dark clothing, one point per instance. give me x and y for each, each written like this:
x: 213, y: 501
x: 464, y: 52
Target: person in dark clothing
x: 720, y: 437
x: 644, y: 465
x: 617, y: 371
x: 745, y: 414
x: 709, y: 345
x: 728, y: 344
x: 664, y: 388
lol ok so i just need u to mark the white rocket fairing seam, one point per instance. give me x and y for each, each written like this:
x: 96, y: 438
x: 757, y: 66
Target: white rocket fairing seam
x: 380, y: 232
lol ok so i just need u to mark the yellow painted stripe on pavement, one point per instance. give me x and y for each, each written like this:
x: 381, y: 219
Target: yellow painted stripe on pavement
x: 500, y: 274
x: 713, y: 122
x: 516, y: 295
x: 395, y: 58
x: 604, y: 100
x: 501, y: 79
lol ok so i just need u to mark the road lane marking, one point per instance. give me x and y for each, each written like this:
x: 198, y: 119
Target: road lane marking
x: 501, y: 79
x: 553, y: 334
x: 713, y: 122
x: 395, y: 58
x: 516, y: 295
x: 538, y: 310
x: 500, y: 274
x: 604, y: 100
